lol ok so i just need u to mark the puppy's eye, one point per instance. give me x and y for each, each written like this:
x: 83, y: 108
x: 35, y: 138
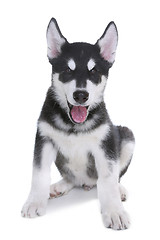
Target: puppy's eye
x: 93, y: 70
x: 68, y: 70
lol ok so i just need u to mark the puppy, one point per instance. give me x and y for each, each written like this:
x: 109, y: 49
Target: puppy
x: 75, y: 132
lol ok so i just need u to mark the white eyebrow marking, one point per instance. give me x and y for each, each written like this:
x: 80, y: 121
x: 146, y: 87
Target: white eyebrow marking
x: 71, y: 64
x: 91, y: 64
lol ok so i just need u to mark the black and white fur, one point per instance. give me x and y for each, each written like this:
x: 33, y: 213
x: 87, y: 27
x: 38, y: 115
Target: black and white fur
x: 87, y: 153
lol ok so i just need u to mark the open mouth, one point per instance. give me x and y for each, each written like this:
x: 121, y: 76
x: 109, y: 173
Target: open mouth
x: 78, y: 114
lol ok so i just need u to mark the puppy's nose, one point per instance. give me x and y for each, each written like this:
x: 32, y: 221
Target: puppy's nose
x: 80, y: 96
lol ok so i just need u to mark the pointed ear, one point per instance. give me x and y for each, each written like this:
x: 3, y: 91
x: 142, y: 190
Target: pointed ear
x: 108, y: 43
x: 55, y: 39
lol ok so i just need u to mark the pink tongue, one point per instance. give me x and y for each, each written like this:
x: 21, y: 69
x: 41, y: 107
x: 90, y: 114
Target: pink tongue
x: 79, y: 114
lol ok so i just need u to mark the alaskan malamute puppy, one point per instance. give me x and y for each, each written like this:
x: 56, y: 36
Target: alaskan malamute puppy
x: 75, y: 132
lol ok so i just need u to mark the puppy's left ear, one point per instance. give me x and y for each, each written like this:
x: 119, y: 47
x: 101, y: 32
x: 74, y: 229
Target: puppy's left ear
x: 108, y: 43
x: 55, y: 39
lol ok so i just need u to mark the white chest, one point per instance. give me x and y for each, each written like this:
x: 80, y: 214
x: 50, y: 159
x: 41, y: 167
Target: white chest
x: 76, y: 147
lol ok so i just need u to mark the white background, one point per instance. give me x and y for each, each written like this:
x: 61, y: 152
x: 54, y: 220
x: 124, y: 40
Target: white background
x: 132, y: 98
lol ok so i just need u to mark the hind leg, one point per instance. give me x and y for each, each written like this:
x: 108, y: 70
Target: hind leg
x: 60, y: 188
x: 126, y: 153
x: 127, y: 143
x: 127, y: 148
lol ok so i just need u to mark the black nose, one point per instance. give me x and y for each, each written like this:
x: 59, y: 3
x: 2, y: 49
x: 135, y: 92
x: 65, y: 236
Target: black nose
x: 80, y: 96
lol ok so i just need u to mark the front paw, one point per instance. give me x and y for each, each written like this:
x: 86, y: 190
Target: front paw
x: 117, y: 220
x: 33, y: 209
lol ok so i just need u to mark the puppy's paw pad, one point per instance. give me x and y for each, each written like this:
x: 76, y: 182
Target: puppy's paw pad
x: 123, y: 193
x: 87, y: 187
x: 55, y: 194
x: 60, y: 188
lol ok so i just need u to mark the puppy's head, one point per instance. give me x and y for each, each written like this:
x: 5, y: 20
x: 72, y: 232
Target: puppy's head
x: 80, y: 70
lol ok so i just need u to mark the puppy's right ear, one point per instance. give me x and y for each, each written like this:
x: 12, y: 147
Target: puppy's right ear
x: 55, y: 39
